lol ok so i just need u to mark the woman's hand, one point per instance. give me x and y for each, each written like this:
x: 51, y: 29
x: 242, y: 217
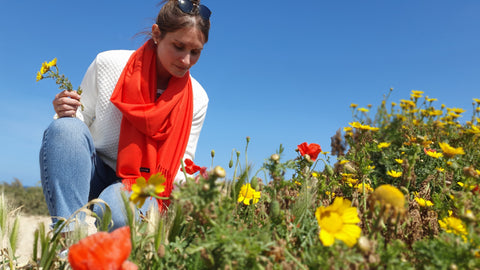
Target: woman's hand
x: 66, y: 103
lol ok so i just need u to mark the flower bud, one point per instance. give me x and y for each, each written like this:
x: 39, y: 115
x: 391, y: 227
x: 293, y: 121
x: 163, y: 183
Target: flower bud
x: 469, y: 215
x: 274, y: 209
x: 205, y: 187
x: 254, y: 183
x: 212, y: 153
x: 364, y: 244
x: 161, y: 251
x: 219, y: 172
x: 230, y: 164
x: 275, y: 157
x: 349, y: 167
x: 329, y: 169
x: 248, y: 139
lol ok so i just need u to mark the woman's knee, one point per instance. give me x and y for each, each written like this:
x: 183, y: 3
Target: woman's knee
x: 68, y: 131
x: 67, y: 127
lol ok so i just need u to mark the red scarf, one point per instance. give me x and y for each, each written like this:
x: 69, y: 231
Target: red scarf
x: 154, y: 132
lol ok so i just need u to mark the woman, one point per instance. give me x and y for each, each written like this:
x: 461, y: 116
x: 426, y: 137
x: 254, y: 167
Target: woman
x: 142, y: 114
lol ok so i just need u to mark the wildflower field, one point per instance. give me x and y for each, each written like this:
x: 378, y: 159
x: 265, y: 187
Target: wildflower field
x: 398, y: 190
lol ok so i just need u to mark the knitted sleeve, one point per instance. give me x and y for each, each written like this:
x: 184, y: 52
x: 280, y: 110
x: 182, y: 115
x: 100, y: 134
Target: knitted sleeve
x: 89, y: 95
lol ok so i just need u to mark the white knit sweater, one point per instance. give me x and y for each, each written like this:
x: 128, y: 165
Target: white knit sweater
x: 104, y: 119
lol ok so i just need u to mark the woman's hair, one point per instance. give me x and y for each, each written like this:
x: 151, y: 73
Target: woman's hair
x: 171, y: 18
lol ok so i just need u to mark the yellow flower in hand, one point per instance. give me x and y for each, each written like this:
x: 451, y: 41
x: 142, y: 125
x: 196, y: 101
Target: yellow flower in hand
x: 52, y: 63
x: 141, y: 190
x: 39, y: 76
x: 338, y: 221
x: 45, y: 68
x: 247, y: 193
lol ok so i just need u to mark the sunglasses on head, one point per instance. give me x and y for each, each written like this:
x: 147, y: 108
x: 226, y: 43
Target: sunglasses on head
x: 187, y: 6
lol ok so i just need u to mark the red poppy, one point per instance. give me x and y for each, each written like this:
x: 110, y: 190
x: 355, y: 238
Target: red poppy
x: 190, y: 167
x: 103, y: 251
x: 476, y: 189
x: 312, y: 150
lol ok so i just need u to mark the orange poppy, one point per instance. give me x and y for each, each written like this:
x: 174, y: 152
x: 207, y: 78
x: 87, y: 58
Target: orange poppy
x: 103, y: 251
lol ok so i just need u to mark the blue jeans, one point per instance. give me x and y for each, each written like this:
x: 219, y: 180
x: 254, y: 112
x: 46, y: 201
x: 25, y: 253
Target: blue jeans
x: 72, y: 174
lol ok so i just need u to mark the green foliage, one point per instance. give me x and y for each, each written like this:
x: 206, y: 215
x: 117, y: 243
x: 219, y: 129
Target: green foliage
x: 446, y: 252
x: 30, y: 199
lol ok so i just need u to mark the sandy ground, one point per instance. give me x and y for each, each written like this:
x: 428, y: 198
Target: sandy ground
x: 28, y: 225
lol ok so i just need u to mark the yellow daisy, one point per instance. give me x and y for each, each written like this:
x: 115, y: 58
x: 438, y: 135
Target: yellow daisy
x: 363, y: 109
x: 453, y: 225
x: 45, y: 68
x: 383, y: 145
x: 361, y: 186
x: 394, y: 174
x: 433, y: 153
x: 247, y: 194
x: 422, y: 202
x: 338, y: 221
x: 52, y: 63
x: 141, y: 190
x: 450, y: 151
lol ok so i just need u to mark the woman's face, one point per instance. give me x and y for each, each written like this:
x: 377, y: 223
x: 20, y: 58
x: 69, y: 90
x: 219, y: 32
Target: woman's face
x: 178, y: 51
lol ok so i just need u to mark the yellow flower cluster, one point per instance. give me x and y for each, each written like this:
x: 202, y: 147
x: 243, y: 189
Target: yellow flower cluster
x: 416, y: 94
x: 360, y: 187
x: 357, y: 125
x: 422, y: 202
x: 453, y: 225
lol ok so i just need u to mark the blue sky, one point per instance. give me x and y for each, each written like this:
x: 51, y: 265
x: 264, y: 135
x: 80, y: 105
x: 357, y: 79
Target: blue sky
x: 280, y: 72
